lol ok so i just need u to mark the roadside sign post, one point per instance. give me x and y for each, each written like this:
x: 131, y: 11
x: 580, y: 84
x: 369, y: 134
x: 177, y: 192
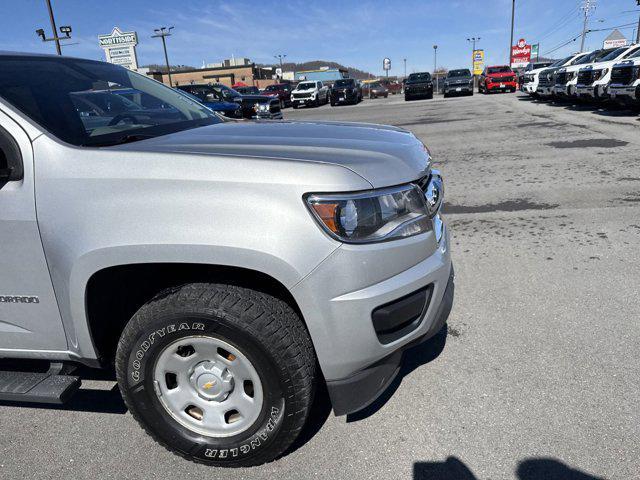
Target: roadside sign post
x: 120, y: 48
x: 435, y: 66
x: 478, y: 65
x: 520, y: 54
x: 386, y: 65
x: 535, y: 51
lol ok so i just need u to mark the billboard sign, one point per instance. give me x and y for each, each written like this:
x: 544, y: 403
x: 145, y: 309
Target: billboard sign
x: 535, y: 51
x: 120, y: 48
x: 520, y: 54
x: 386, y: 64
x: 478, y: 62
x: 615, y: 39
x: 616, y: 43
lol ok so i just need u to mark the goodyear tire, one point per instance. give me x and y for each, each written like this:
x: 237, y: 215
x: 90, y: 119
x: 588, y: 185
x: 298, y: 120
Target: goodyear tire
x: 218, y: 346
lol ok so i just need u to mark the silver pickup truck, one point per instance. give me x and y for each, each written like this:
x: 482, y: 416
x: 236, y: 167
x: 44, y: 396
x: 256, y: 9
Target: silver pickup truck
x: 220, y: 268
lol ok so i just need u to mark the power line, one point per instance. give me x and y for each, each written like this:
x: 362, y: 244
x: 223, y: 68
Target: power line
x: 563, y: 22
x: 567, y: 42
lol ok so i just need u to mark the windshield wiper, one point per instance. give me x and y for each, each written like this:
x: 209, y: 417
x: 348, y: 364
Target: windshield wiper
x: 129, y: 138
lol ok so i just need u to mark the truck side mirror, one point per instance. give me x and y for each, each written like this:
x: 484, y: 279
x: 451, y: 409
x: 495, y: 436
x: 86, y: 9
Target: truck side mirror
x: 10, y: 159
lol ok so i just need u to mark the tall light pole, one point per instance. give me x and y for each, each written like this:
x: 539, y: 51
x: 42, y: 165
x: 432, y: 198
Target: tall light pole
x: 587, y: 7
x: 435, y: 65
x: 65, y: 29
x: 513, y: 18
x: 473, y: 40
x: 280, y: 57
x: 405, y: 64
x: 164, y: 32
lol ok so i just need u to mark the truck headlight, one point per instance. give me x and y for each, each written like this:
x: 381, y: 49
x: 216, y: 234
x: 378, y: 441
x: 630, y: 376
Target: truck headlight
x: 378, y: 215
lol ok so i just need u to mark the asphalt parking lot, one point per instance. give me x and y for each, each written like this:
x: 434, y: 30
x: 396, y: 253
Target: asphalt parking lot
x: 537, y: 377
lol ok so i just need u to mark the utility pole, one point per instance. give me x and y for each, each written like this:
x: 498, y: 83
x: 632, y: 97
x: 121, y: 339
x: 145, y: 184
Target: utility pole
x: 405, y: 65
x: 163, y: 32
x: 53, y: 27
x: 65, y: 29
x: 587, y: 7
x: 513, y: 18
x: 638, y: 32
x: 280, y: 57
x: 435, y: 66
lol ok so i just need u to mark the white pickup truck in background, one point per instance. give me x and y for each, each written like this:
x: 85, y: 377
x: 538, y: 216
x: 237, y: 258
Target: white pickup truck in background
x: 310, y: 93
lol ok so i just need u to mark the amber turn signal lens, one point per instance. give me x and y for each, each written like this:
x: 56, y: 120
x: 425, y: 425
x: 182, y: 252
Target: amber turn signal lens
x: 327, y: 212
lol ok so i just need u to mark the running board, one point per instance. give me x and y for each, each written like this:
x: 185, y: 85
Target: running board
x: 37, y: 387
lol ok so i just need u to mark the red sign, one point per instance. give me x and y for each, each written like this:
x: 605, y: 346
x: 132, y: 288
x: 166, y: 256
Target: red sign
x: 520, y: 54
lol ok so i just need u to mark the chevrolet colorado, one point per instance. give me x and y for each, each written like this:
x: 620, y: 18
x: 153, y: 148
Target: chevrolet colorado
x: 222, y: 268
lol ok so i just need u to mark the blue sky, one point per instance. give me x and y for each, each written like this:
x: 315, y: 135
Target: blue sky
x: 354, y: 33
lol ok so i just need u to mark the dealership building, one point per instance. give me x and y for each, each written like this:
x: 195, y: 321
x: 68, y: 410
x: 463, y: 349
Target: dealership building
x: 228, y: 72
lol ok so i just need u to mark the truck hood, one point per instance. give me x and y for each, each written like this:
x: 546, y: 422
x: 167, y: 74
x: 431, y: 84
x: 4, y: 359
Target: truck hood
x: 535, y: 71
x: 601, y: 65
x: 382, y: 155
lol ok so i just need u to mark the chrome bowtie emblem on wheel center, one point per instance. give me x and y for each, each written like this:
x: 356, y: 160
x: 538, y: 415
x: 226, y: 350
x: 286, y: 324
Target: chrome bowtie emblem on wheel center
x: 212, y: 380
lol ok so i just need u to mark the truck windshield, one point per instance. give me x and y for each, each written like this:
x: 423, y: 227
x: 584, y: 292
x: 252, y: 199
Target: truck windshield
x: 561, y: 62
x: 491, y: 70
x: 635, y: 55
x: 306, y: 86
x: 344, y: 83
x: 419, y: 77
x: 89, y: 103
x: 459, y: 73
x: 615, y: 54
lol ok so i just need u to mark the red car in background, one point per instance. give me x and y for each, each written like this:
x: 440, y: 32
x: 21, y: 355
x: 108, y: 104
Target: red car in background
x: 498, y: 79
x: 391, y: 86
x: 280, y: 90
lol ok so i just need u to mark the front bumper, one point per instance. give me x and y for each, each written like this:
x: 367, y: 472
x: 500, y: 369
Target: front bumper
x: 338, y: 300
x: 304, y: 101
x: 343, y: 97
x: 360, y: 390
x: 418, y: 91
x: 560, y: 90
x: 530, y: 88
x: 544, y: 91
x: 453, y: 89
x: 626, y: 94
x: 589, y: 91
x: 268, y: 116
x: 502, y: 87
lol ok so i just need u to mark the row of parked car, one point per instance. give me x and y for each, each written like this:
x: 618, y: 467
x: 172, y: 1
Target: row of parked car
x: 251, y: 103
x: 605, y: 75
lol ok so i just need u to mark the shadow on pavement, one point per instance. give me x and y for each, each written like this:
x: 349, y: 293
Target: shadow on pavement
x: 529, y: 469
x: 550, y: 469
x: 412, y: 359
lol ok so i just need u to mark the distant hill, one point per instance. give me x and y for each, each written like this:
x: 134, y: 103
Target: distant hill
x: 317, y: 64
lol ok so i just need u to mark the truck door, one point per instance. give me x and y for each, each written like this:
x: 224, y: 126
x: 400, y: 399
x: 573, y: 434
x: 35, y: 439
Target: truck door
x: 29, y: 315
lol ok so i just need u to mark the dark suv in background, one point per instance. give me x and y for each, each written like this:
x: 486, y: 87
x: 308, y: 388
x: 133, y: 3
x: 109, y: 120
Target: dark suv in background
x: 346, y: 90
x: 458, y: 82
x: 418, y: 85
x: 253, y: 106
